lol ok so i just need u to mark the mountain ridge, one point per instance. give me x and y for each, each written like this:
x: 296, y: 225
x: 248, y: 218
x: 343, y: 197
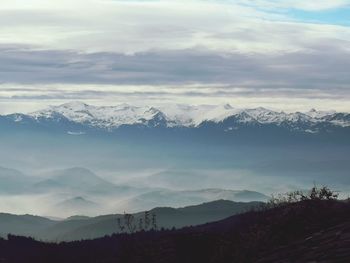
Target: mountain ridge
x: 82, y: 227
x: 110, y: 118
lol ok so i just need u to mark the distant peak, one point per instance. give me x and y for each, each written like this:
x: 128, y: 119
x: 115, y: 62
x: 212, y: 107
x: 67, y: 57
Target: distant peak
x: 76, y: 172
x: 153, y: 110
x: 319, y: 114
x: 74, y: 105
x: 262, y: 109
x: 78, y: 198
x: 227, y: 106
x: 78, y: 169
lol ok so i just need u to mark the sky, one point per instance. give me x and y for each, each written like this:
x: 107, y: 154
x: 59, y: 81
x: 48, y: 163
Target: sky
x: 290, y: 54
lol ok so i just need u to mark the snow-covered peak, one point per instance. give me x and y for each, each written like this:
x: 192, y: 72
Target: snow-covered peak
x: 194, y: 115
x: 104, y: 117
x: 73, y: 105
x: 228, y: 106
x: 313, y: 113
x: 264, y: 115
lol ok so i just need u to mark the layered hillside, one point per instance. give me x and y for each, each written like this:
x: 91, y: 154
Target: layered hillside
x: 307, y: 231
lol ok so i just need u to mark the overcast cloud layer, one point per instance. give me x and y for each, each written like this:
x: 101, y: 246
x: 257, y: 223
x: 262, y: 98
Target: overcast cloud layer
x: 247, y: 53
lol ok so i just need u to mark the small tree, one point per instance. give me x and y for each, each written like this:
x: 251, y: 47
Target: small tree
x: 126, y: 224
x: 141, y: 225
x: 121, y: 226
x: 129, y: 222
x: 147, y: 220
x: 325, y: 193
x: 154, y: 222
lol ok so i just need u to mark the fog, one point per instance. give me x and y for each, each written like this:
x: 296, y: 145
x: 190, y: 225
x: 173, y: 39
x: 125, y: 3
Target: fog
x: 132, y: 185
x: 60, y: 176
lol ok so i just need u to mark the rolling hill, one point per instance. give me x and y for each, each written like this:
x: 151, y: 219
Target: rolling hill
x: 14, y: 181
x: 76, y: 228
x: 174, y: 198
x: 25, y: 225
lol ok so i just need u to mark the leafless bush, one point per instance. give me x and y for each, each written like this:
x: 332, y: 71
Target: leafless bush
x: 323, y: 193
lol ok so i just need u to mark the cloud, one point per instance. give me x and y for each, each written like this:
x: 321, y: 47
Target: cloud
x: 318, y: 77
x: 323, y: 67
x: 192, y: 50
x: 313, y: 6
x: 139, y: 26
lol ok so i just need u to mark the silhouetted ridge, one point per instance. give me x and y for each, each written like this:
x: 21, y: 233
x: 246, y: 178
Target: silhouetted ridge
x: 307, y: 231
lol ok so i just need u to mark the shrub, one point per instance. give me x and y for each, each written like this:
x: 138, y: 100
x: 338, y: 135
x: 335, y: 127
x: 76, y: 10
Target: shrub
x: 315, y: 194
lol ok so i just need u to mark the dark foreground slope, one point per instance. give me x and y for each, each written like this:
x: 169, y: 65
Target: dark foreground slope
x: 308, y: 231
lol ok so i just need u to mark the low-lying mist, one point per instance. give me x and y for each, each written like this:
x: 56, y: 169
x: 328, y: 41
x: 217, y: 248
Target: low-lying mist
x: 79, y: 191
x: 113, y: 175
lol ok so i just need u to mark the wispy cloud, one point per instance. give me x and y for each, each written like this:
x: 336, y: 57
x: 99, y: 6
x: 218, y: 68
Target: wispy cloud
x: 319, y: 5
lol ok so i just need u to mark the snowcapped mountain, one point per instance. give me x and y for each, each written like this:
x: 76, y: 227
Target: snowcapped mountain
x: 102, y: 117
x: 181, y: 116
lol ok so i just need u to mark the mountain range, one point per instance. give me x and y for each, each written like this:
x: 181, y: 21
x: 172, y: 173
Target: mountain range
x: 78, y: 118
